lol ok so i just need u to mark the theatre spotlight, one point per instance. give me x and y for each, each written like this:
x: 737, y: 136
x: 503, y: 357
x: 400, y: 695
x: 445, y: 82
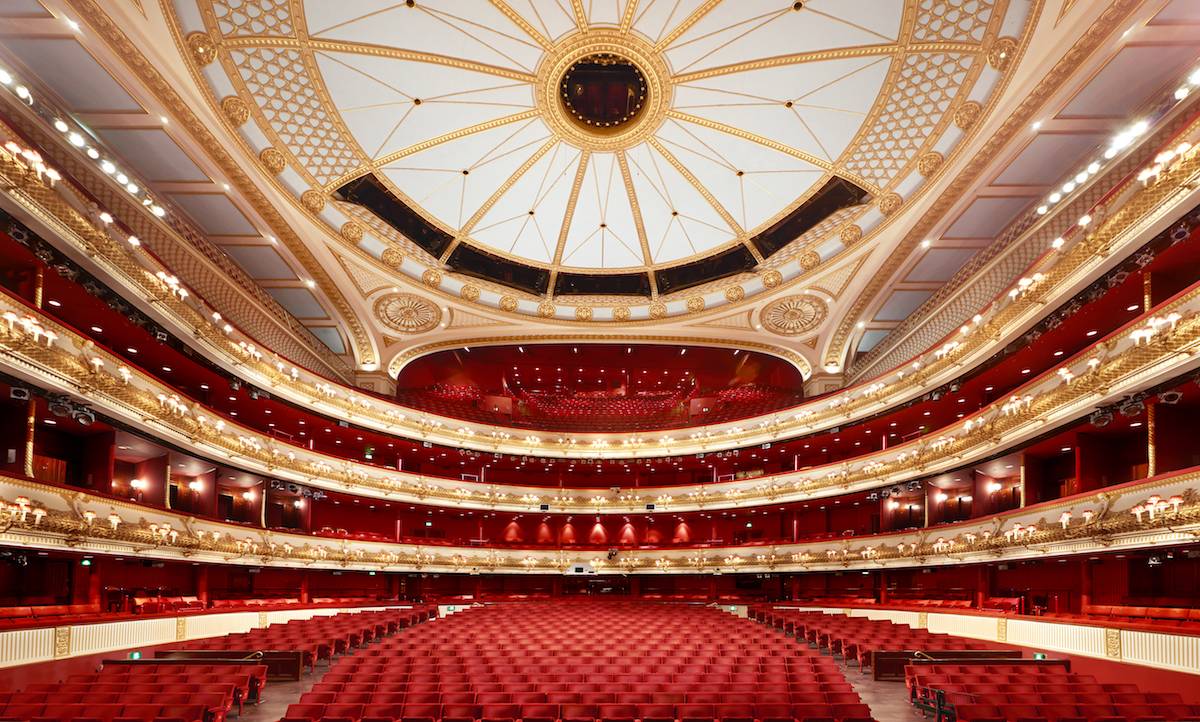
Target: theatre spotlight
x: 1101, y: 418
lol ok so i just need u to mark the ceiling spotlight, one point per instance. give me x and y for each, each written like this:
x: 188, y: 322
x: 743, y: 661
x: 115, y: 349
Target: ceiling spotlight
x: 1170, y: 398
x: 1101, y: 418
x: 1132, y: 408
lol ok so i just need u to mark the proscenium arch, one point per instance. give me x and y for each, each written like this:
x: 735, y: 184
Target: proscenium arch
x: 407, y: 356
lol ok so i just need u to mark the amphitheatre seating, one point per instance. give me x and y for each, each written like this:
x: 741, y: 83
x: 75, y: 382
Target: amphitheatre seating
x: 317, y: 638
x: 856, y: 638
x: 583, y: 662
x: 146, y: 692
x: 979, y: 692
x: 44, y: 615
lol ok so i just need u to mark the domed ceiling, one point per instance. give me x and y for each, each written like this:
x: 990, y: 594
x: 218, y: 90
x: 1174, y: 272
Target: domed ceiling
x: 604, y: 147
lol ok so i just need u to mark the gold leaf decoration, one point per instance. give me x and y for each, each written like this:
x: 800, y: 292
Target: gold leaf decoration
x: 810, y: 260
x: 733, y: 294
x: 432, y: 277
x: 235, y: 109
x: 469, y: 292
x: 658, y: 309
x: 353, y: 232
x: 850, y: 234
x: 392, y: 258
x: 794, y: 315
x: 583, y: 313
x: 546, y: 309
x: 407, y: 313
x: 930, y: 162
x: 620, y: 313
x: 508, y: 303
x: 967, y: 114
x: 695, y: 304
x: 202, y: 47
x: 1000, y: 55
x: 890, y: 203
x: 313, y: 200
x: 273, y: 160
x: 772, y: 278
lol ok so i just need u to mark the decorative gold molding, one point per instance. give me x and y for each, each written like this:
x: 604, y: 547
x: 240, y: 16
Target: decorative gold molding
x: 1112, y: 643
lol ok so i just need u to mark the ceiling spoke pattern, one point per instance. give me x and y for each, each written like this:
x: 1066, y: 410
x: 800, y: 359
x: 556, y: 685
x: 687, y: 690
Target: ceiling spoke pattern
x: 767, y: 102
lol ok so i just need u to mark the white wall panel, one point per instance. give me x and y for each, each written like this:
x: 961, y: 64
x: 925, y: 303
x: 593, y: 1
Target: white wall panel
x: 1087, y: 641
x: 964, y: 626
x: 1161, y: 650
x: 21, y: 646
x: 92, y: 638
x: 217, y: 625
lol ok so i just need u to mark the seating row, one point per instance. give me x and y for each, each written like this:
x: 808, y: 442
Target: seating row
x: 650, y: 712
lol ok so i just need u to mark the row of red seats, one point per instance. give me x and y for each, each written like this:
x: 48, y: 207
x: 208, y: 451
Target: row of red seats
x: 319, y: 638
x: 88, y: 712
x: 44, y: 615
x: 858, y: 638
x: 646, y: 696
x: 158, y: 605
x: 584, y: 661
x: 247, y: 681
x: 1042, y: 692
x: 1071, y: 713
x: 650, y: 712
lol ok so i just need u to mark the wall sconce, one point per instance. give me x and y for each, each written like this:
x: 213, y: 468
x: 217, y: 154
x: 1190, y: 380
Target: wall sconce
x: 248, y: 495
x: 196, y: 486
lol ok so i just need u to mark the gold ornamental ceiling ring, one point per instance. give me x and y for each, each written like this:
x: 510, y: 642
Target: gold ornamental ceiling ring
x: 603, y: 90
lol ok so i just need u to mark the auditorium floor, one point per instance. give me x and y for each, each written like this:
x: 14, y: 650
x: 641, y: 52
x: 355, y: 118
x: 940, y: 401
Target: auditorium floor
x: 887, y: 700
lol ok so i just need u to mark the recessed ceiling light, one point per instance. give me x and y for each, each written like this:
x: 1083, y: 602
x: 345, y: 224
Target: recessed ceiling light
x: 131, y: 350
x: 1092, y: 333
x: 97, y: 329
x: 1132, y: 307
x: 53, y: 302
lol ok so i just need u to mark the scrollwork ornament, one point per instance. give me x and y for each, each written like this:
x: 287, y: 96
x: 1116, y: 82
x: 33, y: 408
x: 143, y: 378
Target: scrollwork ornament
x: 658, y: 309
x: 469, y: 292
x: 583, y: 313
x: 620, y: 313
x: 508, y: 303
x: 733, y: 294
x: 810, y: 260
x: 546, y: 309
x: 695, y: 304
x: 772, y: 278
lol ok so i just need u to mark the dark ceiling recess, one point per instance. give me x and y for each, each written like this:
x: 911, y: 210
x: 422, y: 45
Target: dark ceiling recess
x: 371, y: 194
x: 609, y: 284
x: 836, y: 194
x: 727, y: 263
x: 480, y: 264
